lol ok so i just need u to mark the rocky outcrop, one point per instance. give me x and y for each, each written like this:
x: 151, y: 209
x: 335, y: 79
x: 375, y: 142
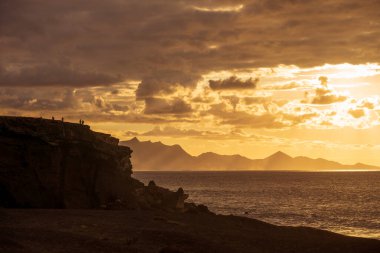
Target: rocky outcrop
x: 154, y: 196
x: 53, y: 164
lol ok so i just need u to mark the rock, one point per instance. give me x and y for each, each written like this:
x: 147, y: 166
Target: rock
x: 154, y: 196
x: 181, y: 197
x: 203, y: 209
x: 193, y: 208
x: 55, y: 164
x: 151, y: 184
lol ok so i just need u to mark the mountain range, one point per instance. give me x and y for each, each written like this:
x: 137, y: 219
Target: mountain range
x: 154, y: 156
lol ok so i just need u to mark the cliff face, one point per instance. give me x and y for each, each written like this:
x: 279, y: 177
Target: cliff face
x: 52, y: 164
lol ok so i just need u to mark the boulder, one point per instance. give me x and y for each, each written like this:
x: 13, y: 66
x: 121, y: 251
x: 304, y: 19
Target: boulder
x: 154, y: 196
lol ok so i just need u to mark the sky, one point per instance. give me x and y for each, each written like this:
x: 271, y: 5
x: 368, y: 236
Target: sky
x: 247, y: 77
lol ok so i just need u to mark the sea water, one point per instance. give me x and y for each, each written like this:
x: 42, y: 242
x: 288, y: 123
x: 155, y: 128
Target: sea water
x: 342, y: 202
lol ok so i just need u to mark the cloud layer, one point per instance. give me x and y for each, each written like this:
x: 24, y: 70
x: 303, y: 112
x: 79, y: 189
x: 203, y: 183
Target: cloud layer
x: 164, y: 42
x: 203, y: 65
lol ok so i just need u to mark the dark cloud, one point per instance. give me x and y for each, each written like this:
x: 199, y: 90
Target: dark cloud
x: 165, y: 82
x: 30, y: 100
x: 166, y: 46
x: 53, y: 75
x: 104, y: 106
x: 233, y: 83
x: 130, y: 118
x: 106, y: 41
x: 166, y: 106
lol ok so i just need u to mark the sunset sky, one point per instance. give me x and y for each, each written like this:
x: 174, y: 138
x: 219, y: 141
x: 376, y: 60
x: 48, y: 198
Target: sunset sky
x: 250, y: 77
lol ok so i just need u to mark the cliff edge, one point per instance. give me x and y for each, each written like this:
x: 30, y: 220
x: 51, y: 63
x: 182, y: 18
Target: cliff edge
x: 54, y: 164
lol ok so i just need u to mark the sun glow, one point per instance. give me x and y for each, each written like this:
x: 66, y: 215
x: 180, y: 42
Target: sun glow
x: 220, y: 9
x: 346, y: 70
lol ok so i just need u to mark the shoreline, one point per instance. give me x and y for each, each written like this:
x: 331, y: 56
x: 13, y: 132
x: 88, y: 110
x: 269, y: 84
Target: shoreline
x: 246, y: 195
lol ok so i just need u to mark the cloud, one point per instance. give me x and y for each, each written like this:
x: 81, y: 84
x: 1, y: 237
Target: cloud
x: 327, y: 96
x: 176, y: 132
x: 369, y: 103
x: 357, y: 113
x: 233, y: 83
x: 32, y: 100
x: 130, y: 134
x: 323, y: 80
x: 266, y: 118
x: 169, y: 49
x: 53, y: 74
x: 169, y: 131
x: 254, y: 121
x: 256, y: 100
x: 233, y: 100
x: 165, y: 106
x: 165, y: 82
x: 287, y: 86
x: 323, y: 95
x: 135, y: 39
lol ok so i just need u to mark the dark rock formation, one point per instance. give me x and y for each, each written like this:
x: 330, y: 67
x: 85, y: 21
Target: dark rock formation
x: 51, y: 164
x: 154, y: 196
x: 54, y: 164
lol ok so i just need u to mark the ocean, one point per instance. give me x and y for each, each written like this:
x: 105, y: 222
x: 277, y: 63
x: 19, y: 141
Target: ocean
x: 342, y: 202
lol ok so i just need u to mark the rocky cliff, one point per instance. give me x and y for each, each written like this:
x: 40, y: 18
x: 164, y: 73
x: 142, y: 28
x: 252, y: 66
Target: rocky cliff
x: 53, y: 164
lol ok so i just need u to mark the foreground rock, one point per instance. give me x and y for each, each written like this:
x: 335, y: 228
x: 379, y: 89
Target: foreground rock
x: 31, y: 230
x: 53, y: 164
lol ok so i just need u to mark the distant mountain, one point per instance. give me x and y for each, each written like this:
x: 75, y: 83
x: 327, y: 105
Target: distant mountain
x: 149, y: 155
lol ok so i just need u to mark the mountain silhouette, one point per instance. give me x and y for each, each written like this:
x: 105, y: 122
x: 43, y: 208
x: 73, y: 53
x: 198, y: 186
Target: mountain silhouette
x: 149, y: 155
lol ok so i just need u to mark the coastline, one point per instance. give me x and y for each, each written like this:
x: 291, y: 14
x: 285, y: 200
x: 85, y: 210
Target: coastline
x: 64, y: 193
x: 312, y: 199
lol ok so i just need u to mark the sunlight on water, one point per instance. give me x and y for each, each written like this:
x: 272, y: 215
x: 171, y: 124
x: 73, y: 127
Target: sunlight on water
x: 342, y: 202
